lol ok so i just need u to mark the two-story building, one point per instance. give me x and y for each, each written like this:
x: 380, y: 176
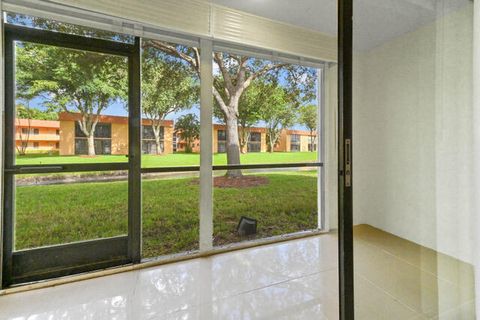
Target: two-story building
x: 37, y: 136
x: 289, y: 141
x: 111, y: 135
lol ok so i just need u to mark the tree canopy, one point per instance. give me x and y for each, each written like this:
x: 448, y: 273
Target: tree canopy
x: 308, y: 117
x: 168, y: 86
x: 233, y: 75
x: 276, y: 111
x: 188, y: 128
x: 72, y: 81
x: 25, y: 112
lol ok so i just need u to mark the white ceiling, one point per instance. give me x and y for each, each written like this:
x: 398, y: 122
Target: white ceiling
x: 375, y: 21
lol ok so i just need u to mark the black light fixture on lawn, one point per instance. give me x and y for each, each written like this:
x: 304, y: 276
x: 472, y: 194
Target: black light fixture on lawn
x: 247, y: 226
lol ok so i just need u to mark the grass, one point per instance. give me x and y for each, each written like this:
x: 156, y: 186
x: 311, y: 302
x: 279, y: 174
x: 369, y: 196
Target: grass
x: 175, y: 159
x: 54, y: 214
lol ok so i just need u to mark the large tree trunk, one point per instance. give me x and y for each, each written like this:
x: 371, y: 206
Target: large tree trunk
x: 188, y: 146
x: 91, y: 145
x: 158, y: 144
x: 272, y: 145
x: 233, y: 148
x: 271, y: 141
x: 156, y: 133
x: 244, y: 137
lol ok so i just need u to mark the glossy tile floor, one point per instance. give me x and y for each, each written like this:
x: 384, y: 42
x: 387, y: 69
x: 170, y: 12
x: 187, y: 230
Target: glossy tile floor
x: 395, y: 279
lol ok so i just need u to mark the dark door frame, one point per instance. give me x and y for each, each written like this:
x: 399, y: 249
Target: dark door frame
x: 65, y: 259
x: 345, y: 160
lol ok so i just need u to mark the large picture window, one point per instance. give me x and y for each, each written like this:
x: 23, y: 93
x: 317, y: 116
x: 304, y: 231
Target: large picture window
x: 254, y: 142
x: 102, y: 139
x: 111, y: 130
x: 276, y: 107
x: 170, y: 142
x: 149, y: 141
x: 295, y: 142
x: 221, y: 141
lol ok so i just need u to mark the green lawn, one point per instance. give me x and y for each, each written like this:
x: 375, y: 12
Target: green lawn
x: 54, y: 214
x: 176, y: 159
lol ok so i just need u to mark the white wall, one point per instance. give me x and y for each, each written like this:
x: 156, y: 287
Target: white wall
x: 331, y: 157
x: 476, y: 146
x: 413, y: 134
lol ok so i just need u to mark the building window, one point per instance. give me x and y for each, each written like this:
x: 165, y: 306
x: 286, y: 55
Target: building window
x: 295, y: 142
x: 149, y: 146
x: 31, y: 131
x: 254, y: 142
x: 222, y: 141
x: 57, y: 132
x: 174, y: 146
x: 35, y: 145
x: 57, y: 145
x: 312, y: 147
x: 102, y: 139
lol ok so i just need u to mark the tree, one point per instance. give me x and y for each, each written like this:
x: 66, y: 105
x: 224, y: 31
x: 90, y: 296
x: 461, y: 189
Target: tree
x: 275, y: 111
x: 188, y: 128
x: 248, y: 114
x: 72, y: 81
x: 23, y: 112
x: 308, y: 117
x: 168, y: 86
x: 235, y: 75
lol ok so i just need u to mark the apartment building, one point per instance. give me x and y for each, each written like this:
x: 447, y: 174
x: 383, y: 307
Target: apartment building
x: 111, y: 137
x: 37, y: 136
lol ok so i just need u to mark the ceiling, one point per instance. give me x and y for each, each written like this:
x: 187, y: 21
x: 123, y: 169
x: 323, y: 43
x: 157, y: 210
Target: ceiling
x: 375, y: 21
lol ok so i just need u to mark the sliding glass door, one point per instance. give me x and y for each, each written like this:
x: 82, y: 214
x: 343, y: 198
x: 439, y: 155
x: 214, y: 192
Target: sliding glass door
x: 71, y: 171
x: 117, y: 149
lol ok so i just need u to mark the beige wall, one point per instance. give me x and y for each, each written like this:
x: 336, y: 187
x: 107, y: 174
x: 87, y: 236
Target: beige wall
x: 215, y: 141
x: 283, y: 144
x: 264, y: 147
x: 168, y: 140
x: 119, y: 138
x: 67, y: 138
x: 46, y: 139
x: 304, y: 142
x: 43, y: 146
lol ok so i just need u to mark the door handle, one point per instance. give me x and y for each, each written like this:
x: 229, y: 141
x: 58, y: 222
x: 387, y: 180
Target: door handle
x: 348, y: 162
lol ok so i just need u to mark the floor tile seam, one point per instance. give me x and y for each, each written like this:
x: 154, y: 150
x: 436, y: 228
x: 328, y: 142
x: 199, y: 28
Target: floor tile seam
x: 409, y: 263
x: 396, y: 299
x: 454, y: 308
x: 306, y: 275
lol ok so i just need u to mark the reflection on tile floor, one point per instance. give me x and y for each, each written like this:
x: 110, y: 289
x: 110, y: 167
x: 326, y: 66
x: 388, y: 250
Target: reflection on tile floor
x: 395, y: 279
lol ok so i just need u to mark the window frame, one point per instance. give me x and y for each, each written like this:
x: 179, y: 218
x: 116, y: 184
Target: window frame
x: 206, y: 167
x: 59, y: 260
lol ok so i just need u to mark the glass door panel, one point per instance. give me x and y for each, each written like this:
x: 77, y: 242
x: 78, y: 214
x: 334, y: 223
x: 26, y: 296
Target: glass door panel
x: 70, y: 166
x: 170, y: 148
